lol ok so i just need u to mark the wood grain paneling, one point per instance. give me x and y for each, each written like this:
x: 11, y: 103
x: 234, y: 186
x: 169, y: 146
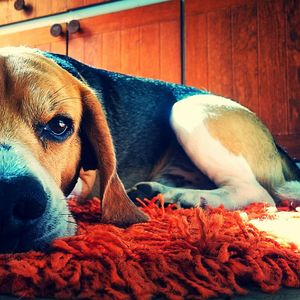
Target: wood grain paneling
x: 219, y: 48
x: 149, y: 51
x: 36, y: 38
x: 293, y: 64
x: 39, y: 8
x: 250, y: 51
x: 272, y: 65
x: 143, y: 41
x: 93, y: 55
x: 9, y: 14
x: 196, y: 68
x: 204, y: 6
x: 170, y: 64
x: 34, y: 8
x: 111, y: 51
x: 77, y: 49
x: 244, y: 55
x: 43, y: 8
x: 130, y: 50
x: 71, y: 4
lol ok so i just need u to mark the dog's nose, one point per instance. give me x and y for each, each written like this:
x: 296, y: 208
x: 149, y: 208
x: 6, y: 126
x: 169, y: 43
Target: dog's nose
x: 22, y: 201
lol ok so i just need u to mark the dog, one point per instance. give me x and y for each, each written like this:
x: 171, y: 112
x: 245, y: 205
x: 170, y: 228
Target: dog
x: 61, y: 120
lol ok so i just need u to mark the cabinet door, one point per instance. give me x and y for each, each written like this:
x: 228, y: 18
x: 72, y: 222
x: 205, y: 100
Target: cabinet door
x: 36, y: 38
x: 71, y: 4
x: 143, y: 41
x: 32, y: 9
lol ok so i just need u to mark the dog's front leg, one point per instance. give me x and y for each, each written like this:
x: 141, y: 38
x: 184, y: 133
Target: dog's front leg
x: 84, y: 185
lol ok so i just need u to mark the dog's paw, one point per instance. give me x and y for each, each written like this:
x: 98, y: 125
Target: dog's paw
x: 144, y: 190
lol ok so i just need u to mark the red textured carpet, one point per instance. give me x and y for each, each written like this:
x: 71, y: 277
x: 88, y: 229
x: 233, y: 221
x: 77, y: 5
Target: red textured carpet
x: 179, y: 253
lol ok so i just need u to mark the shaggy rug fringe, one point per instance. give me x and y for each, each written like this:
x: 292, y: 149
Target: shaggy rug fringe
x: 179, y: 253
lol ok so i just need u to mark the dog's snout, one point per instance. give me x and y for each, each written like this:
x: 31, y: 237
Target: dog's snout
x: 22, y: 199
x: 23, y: 202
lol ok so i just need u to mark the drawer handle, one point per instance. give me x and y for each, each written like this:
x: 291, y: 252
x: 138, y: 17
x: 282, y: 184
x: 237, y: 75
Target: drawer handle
x: 20, y: 5
x: 74, y: 26
x: 56, y: 30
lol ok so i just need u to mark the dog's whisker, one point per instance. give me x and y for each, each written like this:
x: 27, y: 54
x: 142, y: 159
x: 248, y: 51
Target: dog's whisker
x: 71, y: 222
x: 69, y: 98
x: 56, y: 94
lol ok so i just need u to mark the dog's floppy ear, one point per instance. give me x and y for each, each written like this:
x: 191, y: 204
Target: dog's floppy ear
x: 117, y: 208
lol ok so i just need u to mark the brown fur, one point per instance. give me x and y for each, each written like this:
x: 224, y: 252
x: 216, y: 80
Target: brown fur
x: 251, y: 139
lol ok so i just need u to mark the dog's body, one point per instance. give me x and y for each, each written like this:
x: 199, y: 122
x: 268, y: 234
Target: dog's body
x: 193, y: 147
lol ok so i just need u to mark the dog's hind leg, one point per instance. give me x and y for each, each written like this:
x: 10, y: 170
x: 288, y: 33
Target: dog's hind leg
x: 231, y: 146
x: 181, y: 182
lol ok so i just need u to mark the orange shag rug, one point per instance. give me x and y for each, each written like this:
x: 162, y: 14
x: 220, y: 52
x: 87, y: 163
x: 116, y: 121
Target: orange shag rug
x: 179, y: 253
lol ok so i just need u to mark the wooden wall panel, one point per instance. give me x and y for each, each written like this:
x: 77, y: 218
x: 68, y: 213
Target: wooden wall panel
x: 9, y: 14
x: 111, y: 51
x: 245, y: 43
x: 249, y: 50
x: 34, y: 8
x: 170, y: 64
x: 293, y: 64
x: 219, y: 48
x: 71, y: 4
x: 194, y: 7
x: 196, y: 68
x: 39, y: 8
x: 272, y: 65
x: 244, y: 55
x: 130, y: 50
x: 44, y: 8
x: 149, y: 51
x: 143, y: 41
x: 92, y: 55
x: 36, y: 38
x: 78, y: 49
x: 5, y: 12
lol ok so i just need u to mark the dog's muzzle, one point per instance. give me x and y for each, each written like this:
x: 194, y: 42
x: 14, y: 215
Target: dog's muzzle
x: 22, y: 204
x: 32, y: 208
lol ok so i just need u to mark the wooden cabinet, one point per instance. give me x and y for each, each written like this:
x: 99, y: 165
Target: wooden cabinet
x: 36, y: 38
x: 71, y: 4
x: 248, y: 50
x: 28, y: 9
x: 143, y: 41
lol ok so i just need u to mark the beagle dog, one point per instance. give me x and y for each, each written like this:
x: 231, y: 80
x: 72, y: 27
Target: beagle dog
x: 60, y: 120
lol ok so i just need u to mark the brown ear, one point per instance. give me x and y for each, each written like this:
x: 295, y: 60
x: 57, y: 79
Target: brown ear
x: 117, y: 208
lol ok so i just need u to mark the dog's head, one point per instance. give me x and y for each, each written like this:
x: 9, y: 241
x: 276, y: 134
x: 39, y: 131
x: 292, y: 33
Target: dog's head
x: 48, y: 118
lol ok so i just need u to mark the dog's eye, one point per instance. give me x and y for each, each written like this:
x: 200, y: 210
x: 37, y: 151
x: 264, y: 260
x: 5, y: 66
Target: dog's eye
x: 57, y: 126
x: 57, y: 129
